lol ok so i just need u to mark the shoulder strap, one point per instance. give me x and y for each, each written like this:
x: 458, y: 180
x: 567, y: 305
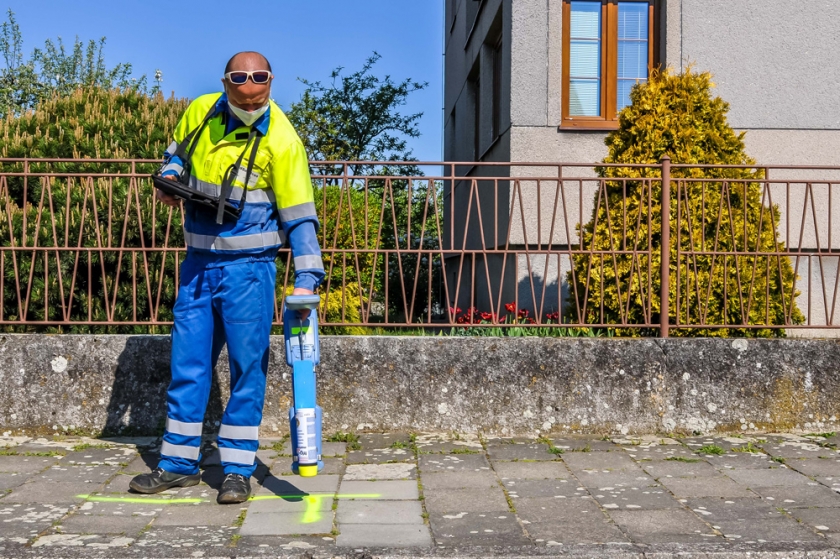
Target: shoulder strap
x: 233, y: 172
x: 186, y: 148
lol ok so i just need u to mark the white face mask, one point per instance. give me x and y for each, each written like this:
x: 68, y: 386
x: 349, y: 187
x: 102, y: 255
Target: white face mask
x: 247, y: 117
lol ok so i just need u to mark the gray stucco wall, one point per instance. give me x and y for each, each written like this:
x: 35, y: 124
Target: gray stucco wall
x: 775, y: 61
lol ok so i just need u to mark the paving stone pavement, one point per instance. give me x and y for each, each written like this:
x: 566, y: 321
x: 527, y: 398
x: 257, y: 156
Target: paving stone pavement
x: 401, y: 494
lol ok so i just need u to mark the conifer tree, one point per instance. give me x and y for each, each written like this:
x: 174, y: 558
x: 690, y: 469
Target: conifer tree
x: 678, y: 116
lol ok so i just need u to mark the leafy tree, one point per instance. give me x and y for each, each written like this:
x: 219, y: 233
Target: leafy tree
x: 99, y: 212
x: 677, y: 115
x: 24, y: 83
x: 356, y: 118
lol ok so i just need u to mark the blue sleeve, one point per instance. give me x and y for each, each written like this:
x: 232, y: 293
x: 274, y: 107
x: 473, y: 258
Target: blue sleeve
x: 174, y: 164
x: 303, y: 240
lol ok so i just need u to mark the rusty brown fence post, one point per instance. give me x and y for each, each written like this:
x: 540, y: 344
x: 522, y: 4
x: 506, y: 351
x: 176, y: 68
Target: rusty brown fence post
x: 665, y: 270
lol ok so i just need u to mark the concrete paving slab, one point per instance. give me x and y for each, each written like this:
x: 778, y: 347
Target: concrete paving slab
x: 384, y: 490
x: 26, y: 520
x: 379, y: 512
x: 26, y: 464
x: 170, y: 538
x: 816, y: 467
x: 62, y: 492
x: 85, y: 541
x: 830, y: 482
x: 333, y: 449
x: 520, y: 452
x: 610, y: 461
x: 618, y: 478
x: 470, y: 529
x: 527, y: 488
x: 766, y: 530
x: 142, y: 464
x: 799, y: 496
x: 741, y: 461
x: 460, y: 480
x: 585, y: 444
x: 792, y: 450
x: 358, y: 472
x: 117, y: 484
x: 200, y: 491
x: 718, y: 486
x: 593, y: 530
x: 826, y: 521
x: 532, y: 470
x: 370, y: 441
x: 659, y: 526
x: 542, y: 509
x: 321, y: 502
x: 454, y: 463
x: 10, y: 481
x: 384, y: 535
x: 298, y: 485
x: 672, y: 468
x: 300, y: 546
x: 63, y: 473
x: 630, y: 499
x: 80, y: 523
x: 660, y: 452
x: 466, y: 500
x: 768, y: 477
x: 714, y: 509
x: 204, y: 514
x: 380, y: 456
x: 94, y: 456
x: 286, y: 524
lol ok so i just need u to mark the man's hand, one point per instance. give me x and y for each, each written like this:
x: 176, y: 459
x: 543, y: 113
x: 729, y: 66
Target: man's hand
x: 168, y: 199
x: 303, y: 313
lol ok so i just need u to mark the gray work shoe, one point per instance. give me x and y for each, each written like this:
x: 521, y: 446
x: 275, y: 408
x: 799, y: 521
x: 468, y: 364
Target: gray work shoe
x: 236, y: 488
x: 161, y: 480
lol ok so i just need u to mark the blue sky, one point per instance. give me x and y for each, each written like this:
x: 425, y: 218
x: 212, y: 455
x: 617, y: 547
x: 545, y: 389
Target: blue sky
x: 190, y: 41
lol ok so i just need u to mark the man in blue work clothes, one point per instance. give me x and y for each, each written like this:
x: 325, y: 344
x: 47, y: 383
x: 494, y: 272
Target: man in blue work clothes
x: 242, y: 139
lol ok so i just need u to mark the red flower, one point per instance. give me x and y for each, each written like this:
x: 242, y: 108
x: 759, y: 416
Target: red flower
x: 455, y: 310
x: 531, y: 321
x: 486, y: 316
x: 510, y: 307
x: 553, y: 316
x: 461, y: 320
x: 523, y: 313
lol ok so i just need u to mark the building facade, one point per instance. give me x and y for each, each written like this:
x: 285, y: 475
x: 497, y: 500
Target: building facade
x: 543, y: 80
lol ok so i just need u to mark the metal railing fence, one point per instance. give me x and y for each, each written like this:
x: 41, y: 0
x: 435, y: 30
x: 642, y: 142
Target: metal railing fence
x: 84, y: 246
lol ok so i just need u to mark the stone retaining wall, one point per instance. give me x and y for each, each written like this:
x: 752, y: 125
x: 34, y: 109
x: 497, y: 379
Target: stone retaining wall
x: 86, y: 383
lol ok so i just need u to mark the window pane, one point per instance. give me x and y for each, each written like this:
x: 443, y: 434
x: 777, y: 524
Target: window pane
x: 585, y: 97
x: 585, y: 59
x: 632, y: 48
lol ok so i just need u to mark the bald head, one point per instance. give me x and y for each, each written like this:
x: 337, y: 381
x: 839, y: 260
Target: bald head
x: 247, y: 60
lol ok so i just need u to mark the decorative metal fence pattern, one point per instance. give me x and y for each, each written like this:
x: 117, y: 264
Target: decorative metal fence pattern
x: 84, y: 246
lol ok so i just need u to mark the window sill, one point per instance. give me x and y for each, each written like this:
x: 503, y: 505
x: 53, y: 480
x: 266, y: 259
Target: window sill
x: 588, y: 126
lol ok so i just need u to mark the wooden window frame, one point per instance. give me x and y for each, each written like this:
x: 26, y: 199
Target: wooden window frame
x: 609, y: 64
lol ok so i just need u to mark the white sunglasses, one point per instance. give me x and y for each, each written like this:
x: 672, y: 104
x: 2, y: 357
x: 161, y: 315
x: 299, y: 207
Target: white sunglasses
x: 239, y: 77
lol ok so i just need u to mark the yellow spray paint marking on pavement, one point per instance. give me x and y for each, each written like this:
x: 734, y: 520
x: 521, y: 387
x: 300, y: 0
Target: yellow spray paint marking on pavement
x: 310, y: 515
x: 155, y: 500
x: 313, y: 502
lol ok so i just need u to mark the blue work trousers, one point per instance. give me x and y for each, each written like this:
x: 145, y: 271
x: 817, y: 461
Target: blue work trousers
x: 219, y: 302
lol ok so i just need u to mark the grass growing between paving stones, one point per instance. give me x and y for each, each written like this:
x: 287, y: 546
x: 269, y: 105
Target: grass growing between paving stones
x: 240, y: 520
x: 682, y: 459
x: 10, y: 452
x: 779, y: 459
x: 823, y: 435
x: 90, y: 446
x: 463, y: 451
x: 711, y: 449
x: 747, y: 448
x: 352, y: 440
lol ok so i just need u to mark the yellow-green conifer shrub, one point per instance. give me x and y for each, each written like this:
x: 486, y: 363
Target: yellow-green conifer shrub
x: 677, y: 115
x: 98, y: 212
